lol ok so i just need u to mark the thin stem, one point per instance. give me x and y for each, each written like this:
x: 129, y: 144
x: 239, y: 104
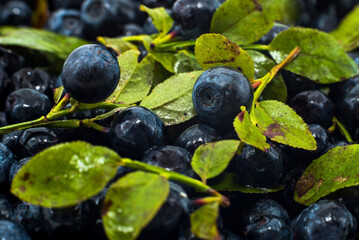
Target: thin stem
x: 206, y: 200
x: 175, y: 46
x: 135, y: 38
x: 256, y: 47
x: 19, y: 126
x: 162, y: 40
x: 343, y: 130
x: 198, y: 185
x: 61, y: 104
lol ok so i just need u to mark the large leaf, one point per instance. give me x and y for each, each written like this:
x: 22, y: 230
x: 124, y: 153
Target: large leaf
x: 65, y: 174
x: 321, y: 59
x: 136, y: 78
x: 210, y: 159
x: 248, y: 132
x: 245, y: 21
x: 228, y: 183
x: 280, y: 123
x: 348, y: 31
x: 276, y: 89
x: 216, y: 50
x: 336, y: 169
x: 117, y: 44
x: 160, y: 18
x: 167, y: 59
x: 172, y: 99
x: 131, y: 203
x: 204, y: 222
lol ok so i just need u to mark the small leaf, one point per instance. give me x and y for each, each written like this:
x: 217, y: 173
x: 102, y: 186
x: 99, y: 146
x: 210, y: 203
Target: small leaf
x: 210, y: 159
x: 321, y: 59
x: 65, y: 174
x: 336, y: 169
x: 248, y: 132
x: 167, y: 60
x: 229, y: 183
x: 58, y: 93
x: 131, y: 203
x: 216, y: 50
x: 276, y: 89
x: 172, y: 99
x: 280, y: 123
x: 117, y: 44
x: 347, y: 33
x: 136, y: 78
x: 160, y: 19
x: 245, y: 21
x: 186, y: 62
x: 204, y: 222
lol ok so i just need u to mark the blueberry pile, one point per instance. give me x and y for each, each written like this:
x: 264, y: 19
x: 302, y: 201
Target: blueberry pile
x: 139, y: 87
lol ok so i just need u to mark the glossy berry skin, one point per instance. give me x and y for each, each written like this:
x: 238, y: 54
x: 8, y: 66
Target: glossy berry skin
x: 324, y: 220
x: 195, y: 136
x: 17, y: 13
x: 67, y: 22
x: 314, y: 107
x: 347, y: 108
x: 268, y: 228
x: 259, y: 169
x: 11, y: 61
x: 26, y: 104
x: 219, y: 93
x: 296, y: 83
x: 90, y: 73
x: 7, y: 158
x: 135, y: 130
x: 28, y: 216
x: 10, y: 230
x: 268, y: 207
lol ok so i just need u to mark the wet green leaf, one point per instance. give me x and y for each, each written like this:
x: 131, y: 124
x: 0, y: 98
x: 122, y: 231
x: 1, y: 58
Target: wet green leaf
x: 280, y: 123
x: 321, y: 59
x: 245, y: 21
x: 117, y: 44
x: 131, y: 203
x: 276, y: 89
x: 204, y: 222
x: 229, y: 183
x: 336, y: 169
x: 65, y: 174
x: 136, y: 78
x: 167, y: 59
x: 216, y: 50
x: 347, y: 33
x: 248, y: 132
x: 210, y: 159
x: 186, y: 62
x: 172, y: 99
x: 160, y: 18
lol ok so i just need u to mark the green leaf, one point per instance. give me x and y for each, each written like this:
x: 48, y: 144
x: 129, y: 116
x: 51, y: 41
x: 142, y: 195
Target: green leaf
x: 56, y: 47
x: 186, y: 62
x: 204, y: 222
x: 321, y: 59
x: 172, y: 99
x: 58, y: 93
x: 347, y: 33
x: 117, y: 44
x: 336, y: 169
x: 131, y: 203
x: 229, y: 183
x: 160, y: 18
x: 248, y: 132
x: 65, y: 174
x: 276, y: 89
x: 167, y: 59
x: 245, y: 21
x: 136, y: 78
x: 280, y: 123
x: 216, y: 50
x: 210, y: 159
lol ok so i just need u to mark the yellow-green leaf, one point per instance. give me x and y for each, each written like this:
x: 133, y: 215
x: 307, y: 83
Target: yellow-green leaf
x: 204, y: 222
x: 160, y: 18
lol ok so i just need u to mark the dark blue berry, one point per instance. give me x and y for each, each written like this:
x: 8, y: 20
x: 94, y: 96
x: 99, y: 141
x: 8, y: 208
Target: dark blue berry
x: 347, y: 108
x: 16, y: 166
x: 28, y: 216
x: 10, y: 230
x: 218, y: 95
x: 7, y: 158
x: 268, y: 207
x: 135, y: 130
x: 17, y: 13
x: 67, y: 22
x: 275, y: 30
x: 90, y: 73
x: 6, y: 207
x: 10, y: 60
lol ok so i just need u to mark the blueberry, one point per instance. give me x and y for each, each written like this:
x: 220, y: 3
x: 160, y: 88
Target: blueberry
x: 219, y: 93
x: 256, y: 168
x: 67, y: 22
x: 275, y: 30
x: 90, y: 73
x: 11, y: 61
x: 296, y: 83
x: 195, y: 136
x: 28, y: 216
x: 26, y: 104
x: 314, y: 107
x: 6, y: 207
x: 6, y: 160
x: 325, y: 219
x: 10, y: 230
x: 339, y: 90
x: 268, y: 207
x: 135, y: 130
x: 16, y: 166
x: 347, y: 108
x: 17, y: 13
x: 268, y: 228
